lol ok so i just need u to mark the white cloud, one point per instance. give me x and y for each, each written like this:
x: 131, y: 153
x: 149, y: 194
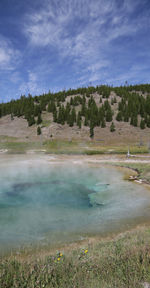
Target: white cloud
x: 32, y: 85
x: 9, y: 56
x: 82, y: 30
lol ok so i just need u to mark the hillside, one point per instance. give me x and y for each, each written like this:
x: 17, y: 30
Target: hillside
x: 104, y: 114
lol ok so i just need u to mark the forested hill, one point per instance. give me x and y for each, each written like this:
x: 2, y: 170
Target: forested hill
x: 91, y: 107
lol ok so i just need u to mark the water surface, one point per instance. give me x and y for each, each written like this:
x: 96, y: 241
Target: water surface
x: 46, y: 201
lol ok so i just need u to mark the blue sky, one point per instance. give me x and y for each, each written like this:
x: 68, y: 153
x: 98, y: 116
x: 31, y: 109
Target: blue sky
x: 61, y: 44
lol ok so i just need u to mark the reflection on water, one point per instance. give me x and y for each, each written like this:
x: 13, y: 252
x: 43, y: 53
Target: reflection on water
x: 60, y: 202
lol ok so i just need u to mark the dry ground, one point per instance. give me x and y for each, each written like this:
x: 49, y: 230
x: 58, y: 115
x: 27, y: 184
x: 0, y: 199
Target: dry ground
x: 124, y: 134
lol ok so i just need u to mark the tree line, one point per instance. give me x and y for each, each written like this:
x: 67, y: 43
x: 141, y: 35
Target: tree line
x: 134, y: 102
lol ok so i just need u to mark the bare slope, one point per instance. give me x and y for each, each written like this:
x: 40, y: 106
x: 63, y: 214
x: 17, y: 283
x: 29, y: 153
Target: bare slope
x: 125, y: 133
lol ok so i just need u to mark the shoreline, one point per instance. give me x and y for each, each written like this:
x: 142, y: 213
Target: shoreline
x: 32, y: 253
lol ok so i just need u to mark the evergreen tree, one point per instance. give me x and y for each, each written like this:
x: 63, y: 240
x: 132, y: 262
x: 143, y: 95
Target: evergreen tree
x: 39, y: 130
x: 39, y: 120
x: 112, y: 127
x: 49, y: 107
x: 73, y: 112
x: 115, y: 99
x: 60, y: 118
x: 148, y: 122
x: 109, y: 115
x: 37, y: 110
x: 55, y: 116
x: 58, y: 103
x: 103, y: 123
x: 12, y: 117
x: 79, y: 120
x: 67, y: 112
x: 31, y: 121
x: 70, y: 122
x: 91, y: 130
x: 83, y: 109
x: 126, y: 116
x: 134, y: 120
x: 71, y: 101
x: 86, y: 123
x: 119, y: 116
x: 142, y: 124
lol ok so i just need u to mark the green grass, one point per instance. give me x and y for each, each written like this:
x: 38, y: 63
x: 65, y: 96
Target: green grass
x: 45, y: 123
x: 19, y: 147
x: 4, y: 138
x: 68, y: 147
x: 89, y: 148
x: 120, y: 263
x: 63, y: 147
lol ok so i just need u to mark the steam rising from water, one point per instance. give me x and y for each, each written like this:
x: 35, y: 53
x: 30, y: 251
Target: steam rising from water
x: 41, y: 200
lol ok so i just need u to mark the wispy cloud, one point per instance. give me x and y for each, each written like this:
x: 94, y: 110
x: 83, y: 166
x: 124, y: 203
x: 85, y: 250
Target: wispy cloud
x: 31, y: 85
x: 9, y: 56
x: 82, y: 31
x: 68, y: 43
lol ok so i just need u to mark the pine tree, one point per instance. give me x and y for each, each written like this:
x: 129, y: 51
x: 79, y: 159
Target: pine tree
x: 91, y: 130
x: 119, y: 116
x: 109, y: 115
x: 112, y: 127
x: 55, y: 116
x: 134, y: 120
x: 73, y: 112
x: 126, y: 116
x: 31, y: 121
x: 49, y: 107
x: 12, y: 117
x: 71, y: 101
x: 112, y: 101
x: 142, y: 124
x: 148, y: 122
x: 60, y: 118
x: 115, y: 100
x: 71, y: 119
x: 79, y: 120
x: 39, y: 120
x: 103, y: 123
x: 37, y: 110
x: 86, y: 123
x: 39, y: 130
x: 79, y: 123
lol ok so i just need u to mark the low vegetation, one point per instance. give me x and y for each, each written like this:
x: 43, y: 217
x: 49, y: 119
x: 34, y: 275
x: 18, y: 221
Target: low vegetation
x: 67, y: 147
x: 120, y: 263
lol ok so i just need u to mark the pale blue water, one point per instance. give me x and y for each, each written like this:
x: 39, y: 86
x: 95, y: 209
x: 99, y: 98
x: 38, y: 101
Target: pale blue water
x: 42, y: 201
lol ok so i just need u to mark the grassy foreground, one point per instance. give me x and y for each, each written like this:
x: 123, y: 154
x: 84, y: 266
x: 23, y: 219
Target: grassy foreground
x: 121, y: 262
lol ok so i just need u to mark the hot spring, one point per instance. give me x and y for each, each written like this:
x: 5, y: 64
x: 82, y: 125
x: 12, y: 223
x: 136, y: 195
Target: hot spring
x: 46, y: 201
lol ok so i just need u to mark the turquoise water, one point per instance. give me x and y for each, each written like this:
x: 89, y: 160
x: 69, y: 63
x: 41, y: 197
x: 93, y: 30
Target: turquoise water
x: 46, y: 201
